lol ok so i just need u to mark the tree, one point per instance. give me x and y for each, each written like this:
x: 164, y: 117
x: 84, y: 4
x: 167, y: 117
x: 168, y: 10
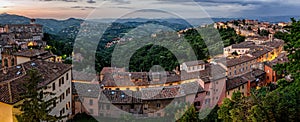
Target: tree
x: 190, y: 115
x: 264, y: 32
x: 223, y: 112
x: 211, y: 117
x: 34, y: 107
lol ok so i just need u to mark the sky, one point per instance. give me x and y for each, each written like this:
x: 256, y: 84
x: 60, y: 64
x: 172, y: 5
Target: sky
x: 63, y: 9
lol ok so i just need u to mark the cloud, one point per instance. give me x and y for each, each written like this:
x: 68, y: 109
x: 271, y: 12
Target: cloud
x: 60, y: 0
x: 121, y: 1
x: 82, y: 7
x: 242, y: 8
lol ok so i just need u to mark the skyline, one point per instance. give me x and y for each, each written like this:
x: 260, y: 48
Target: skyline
x: 63, y: 9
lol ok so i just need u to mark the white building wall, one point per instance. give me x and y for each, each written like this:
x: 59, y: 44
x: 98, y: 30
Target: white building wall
x: 63, y: 106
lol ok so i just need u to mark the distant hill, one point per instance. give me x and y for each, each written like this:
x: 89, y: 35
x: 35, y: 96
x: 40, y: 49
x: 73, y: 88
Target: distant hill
x: 72, y: 25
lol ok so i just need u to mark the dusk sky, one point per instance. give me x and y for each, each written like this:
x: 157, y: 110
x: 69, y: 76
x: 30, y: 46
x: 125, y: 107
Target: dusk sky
x: 62, y: 9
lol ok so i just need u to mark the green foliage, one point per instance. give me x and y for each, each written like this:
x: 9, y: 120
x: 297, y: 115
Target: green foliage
x: 58, y: 45
x: 264, y: 33
x: 230, y: 37
x: 211, y: 117
x: 280, y: 35
x: 34, y: 107
x: 151, y: 55
x: 83, y: 117
x: 190, y: 115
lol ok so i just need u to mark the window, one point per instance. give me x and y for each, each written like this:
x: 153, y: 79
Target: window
x: 12, y: 62
x: 59, y: 82
x: 158, y: 105
x: 62, y: 80
x: 198, y: 103
x: 91, y: 101
x: 107, y: 107
x: 208, y: 93
x: 62, y: 97
x: 54, y: 103
x: 117, y: 88
x: 242, y: 86
x: 62, y: 111
x: 67, y: 76
x: 146, y: 107
x: 68, y: 91
x: 91, y: 111
x: 228, y: 93
x: 5, y: 62
x: 68, y: 105
x: 207, y: 101
x: 53, y: 86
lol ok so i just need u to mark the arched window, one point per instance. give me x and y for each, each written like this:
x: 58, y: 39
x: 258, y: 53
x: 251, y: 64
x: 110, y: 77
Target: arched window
x: 5, y: 63
x: 12, y: 62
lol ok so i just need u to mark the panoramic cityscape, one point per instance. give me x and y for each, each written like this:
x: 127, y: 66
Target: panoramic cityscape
x: 157, y: 60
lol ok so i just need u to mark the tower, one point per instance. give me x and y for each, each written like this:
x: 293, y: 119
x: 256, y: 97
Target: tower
x: 271, y: 37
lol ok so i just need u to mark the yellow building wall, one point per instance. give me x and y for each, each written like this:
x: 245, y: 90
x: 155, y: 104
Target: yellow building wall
x: 6, y: 112
x: 241, y: 89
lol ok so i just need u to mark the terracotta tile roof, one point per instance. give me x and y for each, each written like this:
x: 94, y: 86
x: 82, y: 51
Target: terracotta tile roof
x: 117, y: 96
x: 109, y: 70
x: 146, y: 94
x: 275, y: 43
x: 194, y: 63
x: 211, y: 72
x: 258, y: 51
x: 137, y: 79
x: 245, y: 44
x: 34, y: 53
x: 263, y: 38
x: 86, y: 89
x: 253, y: 75
x: 238, y: 60
x: 15, y: 77
x: 235, y: 82
x: 84, y: 76
x: 282, y: 58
